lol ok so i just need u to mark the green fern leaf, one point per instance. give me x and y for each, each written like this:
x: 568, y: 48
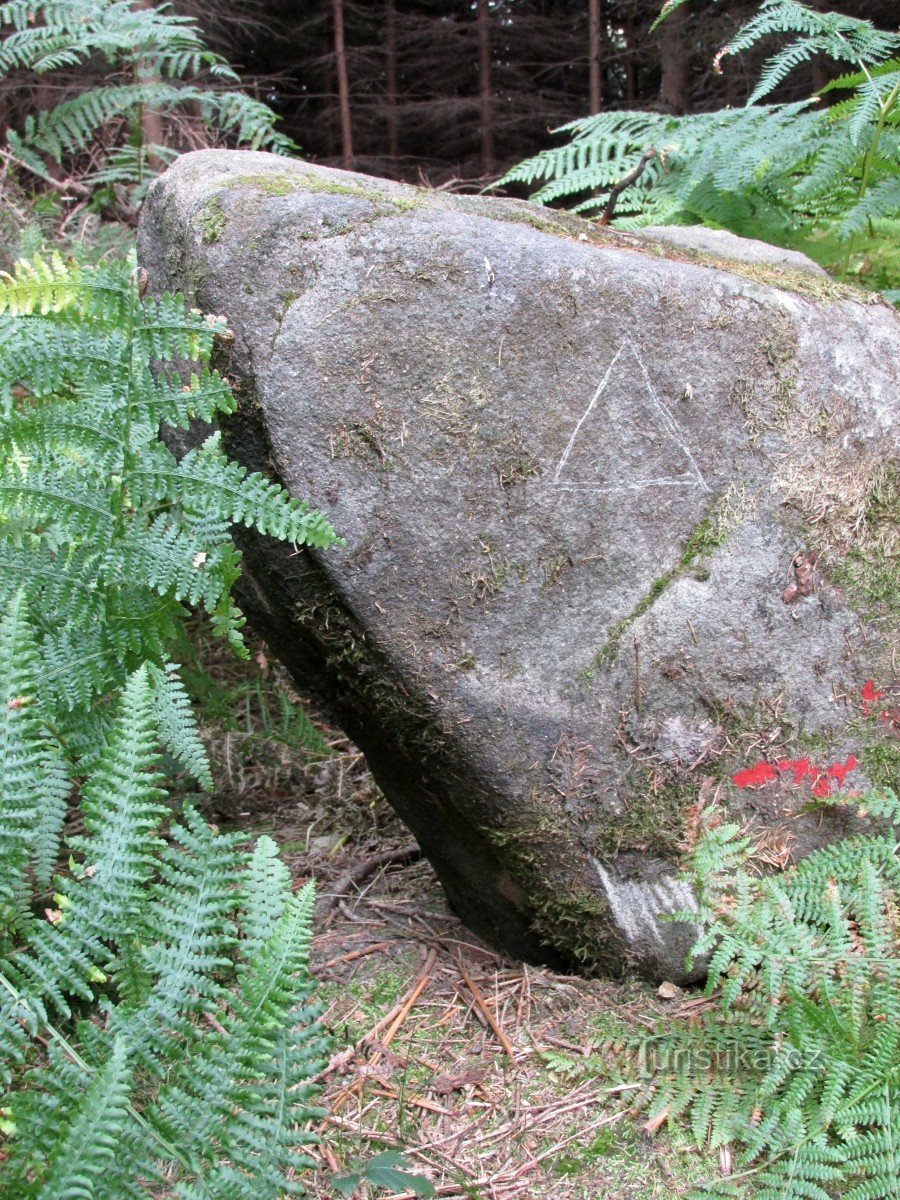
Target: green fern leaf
x: 267, y: 888
x: 187, y: 937
x: 88, y: 1146
x: 206, y: 478
x: 34, y: 785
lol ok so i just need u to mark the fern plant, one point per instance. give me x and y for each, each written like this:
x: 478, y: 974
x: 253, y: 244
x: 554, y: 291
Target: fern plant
x: 156, y: 1029
x: 796, y: 1068
x: 158, y: 67
x: 772, y: 167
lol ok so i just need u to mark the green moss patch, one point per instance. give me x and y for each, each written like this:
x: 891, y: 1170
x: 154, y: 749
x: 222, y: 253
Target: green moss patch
x: 212, y: 221
x: 706, y: 535
x: 285, y: 185
x: 881, y: 763
x: 564, y: 911
x: 653, y: 821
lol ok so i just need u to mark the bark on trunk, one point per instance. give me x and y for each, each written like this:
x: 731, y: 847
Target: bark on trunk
x: 630, y: 50
x: 152, y: 130
x: 675, y: 87
x: 340, y: 62
x: 595, y: 54
x: 390, y: 43
x: 488, y: 150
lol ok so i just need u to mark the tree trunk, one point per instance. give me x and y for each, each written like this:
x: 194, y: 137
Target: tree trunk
x: 390, y: 41
x: 818, y: 67
x: 488, y: 152
x: 675, y: 86
x: 340, y: 62
x: 630, y: 51
x: 595, y: 45
x: 152, y: 131
x: 327, y: 89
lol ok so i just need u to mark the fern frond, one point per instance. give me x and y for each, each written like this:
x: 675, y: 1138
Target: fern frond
x: 780, y: 166
x: 35, y: 431
x: 251, y: 121
x: 73, y: 32
x: 231, y: 1104
x: 881, y: 201
x: 121, y: 809
x: 873, y: 100
x: 104, y: 538
x: 167, y: 329
x: 187, y: 938
x: 132, y: 166
x: 177, y: 724
x: 882, y: 802
x: 205, y: 478
x: 17, y: 1024
x: 203, y: 397
x: 39, y: 502
x: 73, y: 124
x: 171, y: 560
x: 78, y: 664
x: 88, y: 1142
x: 40, y: 285
x: 168, y: 66
x: 843, y: 39
x: 794, y: 1069
x: 267, y: 887
x: 34, y: 784
x: 58, y: 358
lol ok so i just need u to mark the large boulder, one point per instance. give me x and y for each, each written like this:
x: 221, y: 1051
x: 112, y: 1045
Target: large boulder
x: 722, y: 244
x: 614, y: 521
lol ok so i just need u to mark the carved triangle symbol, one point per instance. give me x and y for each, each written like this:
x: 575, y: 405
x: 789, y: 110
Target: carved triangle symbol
x: 627, y: 439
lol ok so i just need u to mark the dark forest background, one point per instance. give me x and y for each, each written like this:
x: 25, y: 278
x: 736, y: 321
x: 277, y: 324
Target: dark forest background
x: 451, y: 92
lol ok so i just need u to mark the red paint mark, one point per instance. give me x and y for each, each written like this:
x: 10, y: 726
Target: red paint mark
x: 799, y: 769
x: 869, y: 694
x: 822, y: 780
x: 839, y: 771
x: 756, y: 776
x: 821, y: 786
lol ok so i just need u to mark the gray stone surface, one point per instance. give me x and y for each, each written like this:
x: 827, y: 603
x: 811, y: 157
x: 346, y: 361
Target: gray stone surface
x: 572, y: 470
x: 722, y: 244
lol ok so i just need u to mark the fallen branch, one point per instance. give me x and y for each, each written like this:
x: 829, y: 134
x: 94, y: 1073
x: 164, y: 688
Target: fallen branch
x: 392, y: 1021
x: 625, y: 182
x: 341, y: 886
x: 344, y: 1057
x: 355, y: 954
x: 407, y: 1006
x: 485, y: 1011
x: 64, y: 186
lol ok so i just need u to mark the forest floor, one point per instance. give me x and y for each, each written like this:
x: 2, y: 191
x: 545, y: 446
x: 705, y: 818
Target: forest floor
x: 496, y: 1079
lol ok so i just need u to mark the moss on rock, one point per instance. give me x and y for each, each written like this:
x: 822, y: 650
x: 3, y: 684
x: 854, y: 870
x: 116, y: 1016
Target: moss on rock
x: 212, y: 220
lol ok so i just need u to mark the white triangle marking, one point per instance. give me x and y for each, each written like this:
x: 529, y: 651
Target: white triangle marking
x: 691, y: 477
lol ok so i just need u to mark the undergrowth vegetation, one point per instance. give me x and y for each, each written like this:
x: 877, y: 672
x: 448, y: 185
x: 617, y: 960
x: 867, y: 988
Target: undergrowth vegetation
x: 157, y: 1026
x: 155, y: 1021
x: 777, y: 171
x: 163, y: 91
x: 793, y: 1076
